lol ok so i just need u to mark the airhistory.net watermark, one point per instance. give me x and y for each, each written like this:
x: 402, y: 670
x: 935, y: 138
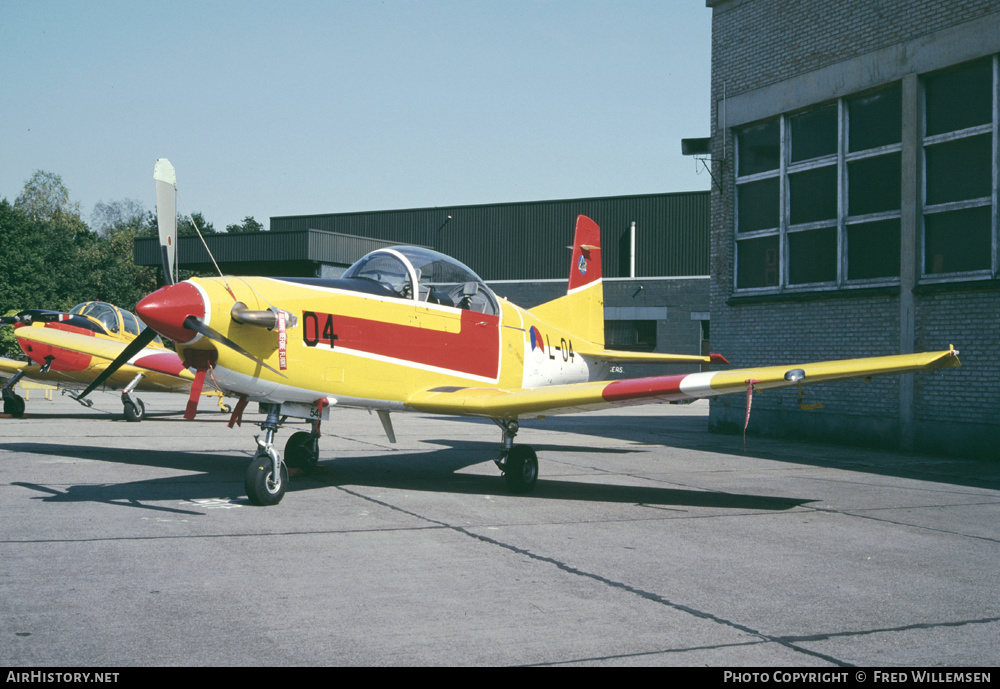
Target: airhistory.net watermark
x: 33, y: 676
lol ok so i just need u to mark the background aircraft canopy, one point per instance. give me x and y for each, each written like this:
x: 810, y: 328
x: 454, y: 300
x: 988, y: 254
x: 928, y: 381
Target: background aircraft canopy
x: 114, y: 319
x: 107, y: 315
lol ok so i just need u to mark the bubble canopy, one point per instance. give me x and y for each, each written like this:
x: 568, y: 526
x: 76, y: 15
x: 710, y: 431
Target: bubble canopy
x: 425, y: 275
x: 112, y: 318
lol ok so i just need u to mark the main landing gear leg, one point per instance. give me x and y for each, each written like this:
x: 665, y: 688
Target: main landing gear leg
x: 267, y: 476
x: 518, y: 464
x: 135, y: 410
x: 12, y: 402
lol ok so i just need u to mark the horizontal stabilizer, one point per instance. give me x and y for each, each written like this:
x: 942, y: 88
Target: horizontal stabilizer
x: 617, y: 356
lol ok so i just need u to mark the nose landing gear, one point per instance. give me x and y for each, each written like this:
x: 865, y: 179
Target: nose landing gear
x: 133, y: 407
x: 266, y: 478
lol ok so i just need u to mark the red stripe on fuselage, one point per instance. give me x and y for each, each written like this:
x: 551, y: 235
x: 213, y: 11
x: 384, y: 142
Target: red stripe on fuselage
x: 474, y: 350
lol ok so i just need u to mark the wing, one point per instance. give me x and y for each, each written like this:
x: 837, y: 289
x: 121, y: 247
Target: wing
x: 148, y: 360
x: 563, y: 399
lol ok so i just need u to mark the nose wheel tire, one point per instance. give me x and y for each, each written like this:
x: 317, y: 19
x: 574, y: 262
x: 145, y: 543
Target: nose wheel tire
x: 261, y: 486
x: 135, y: 412
x: 521, y: 469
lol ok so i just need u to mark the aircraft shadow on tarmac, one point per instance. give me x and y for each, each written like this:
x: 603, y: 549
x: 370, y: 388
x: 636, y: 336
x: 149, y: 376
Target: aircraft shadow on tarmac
x: 691, y: 432
x: 434, y: 471
x: 100, y: 414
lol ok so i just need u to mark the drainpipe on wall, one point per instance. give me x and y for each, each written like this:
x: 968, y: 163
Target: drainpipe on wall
x: 631, y: 272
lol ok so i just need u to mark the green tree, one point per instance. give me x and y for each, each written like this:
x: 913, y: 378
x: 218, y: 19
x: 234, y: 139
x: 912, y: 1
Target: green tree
x: 50, y: 259
x: 8, y: 343
x: 115, y: 213
x: 186, y: 227
x: 21, y: 267
x: 38, y: 266
x: 44, y: 195
x: 115, y: 276
x: 49, y: 249
x: 150, y: 228
x: 248, y: 225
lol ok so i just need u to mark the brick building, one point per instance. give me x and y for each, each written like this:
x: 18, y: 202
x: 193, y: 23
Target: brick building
x: 856, y: 145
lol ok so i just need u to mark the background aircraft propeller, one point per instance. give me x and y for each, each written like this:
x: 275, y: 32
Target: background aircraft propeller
x: 133, y: 348
x: 30, y: 316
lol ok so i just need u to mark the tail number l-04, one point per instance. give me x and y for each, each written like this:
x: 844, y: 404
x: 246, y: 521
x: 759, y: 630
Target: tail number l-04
x: 565, y: 346
x: 317, y: 328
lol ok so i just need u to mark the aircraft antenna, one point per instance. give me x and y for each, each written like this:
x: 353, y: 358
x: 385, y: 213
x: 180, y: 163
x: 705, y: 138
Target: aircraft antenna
x: 203, y: 243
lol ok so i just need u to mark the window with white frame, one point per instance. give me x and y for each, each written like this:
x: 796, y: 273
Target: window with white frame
x: 818, y: 191
x: 960, y: 171
x: 818, y: 195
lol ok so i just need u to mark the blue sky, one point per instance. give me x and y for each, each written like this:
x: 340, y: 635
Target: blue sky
x: 294, y: 107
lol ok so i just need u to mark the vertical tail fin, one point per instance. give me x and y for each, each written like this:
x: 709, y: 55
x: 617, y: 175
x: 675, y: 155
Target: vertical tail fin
x: 581, y: 311
x: 585, y: 268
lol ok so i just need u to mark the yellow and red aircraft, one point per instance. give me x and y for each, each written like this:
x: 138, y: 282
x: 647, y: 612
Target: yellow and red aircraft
x: 71, y: 350
x: 410, y: 329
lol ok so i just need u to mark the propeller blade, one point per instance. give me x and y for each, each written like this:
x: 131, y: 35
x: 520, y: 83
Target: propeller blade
x: 49, y: 316
x: 166, y: 215
x: 193, y: 323
x: 30, y: 316
x: 133, y: 348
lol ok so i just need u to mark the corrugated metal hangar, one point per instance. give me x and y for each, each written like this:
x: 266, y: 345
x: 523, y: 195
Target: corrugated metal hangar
x: 656, y: 294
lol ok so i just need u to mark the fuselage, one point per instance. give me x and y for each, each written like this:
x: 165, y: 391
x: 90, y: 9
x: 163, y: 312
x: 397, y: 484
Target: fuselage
x: 360, y: 344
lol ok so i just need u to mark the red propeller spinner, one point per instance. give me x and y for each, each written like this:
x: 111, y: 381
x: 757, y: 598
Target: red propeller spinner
x: 166, y: 309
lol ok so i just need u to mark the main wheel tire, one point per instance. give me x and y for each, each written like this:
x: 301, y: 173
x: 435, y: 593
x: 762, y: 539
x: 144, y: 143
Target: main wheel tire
x: 521, y: 470
x: 262, y: 489
x: 14, y: 406
x: 136, y: 412
x: 301, y: 451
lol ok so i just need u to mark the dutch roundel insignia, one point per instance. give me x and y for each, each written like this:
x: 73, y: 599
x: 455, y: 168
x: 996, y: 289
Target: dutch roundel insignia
x: 536, y: 339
